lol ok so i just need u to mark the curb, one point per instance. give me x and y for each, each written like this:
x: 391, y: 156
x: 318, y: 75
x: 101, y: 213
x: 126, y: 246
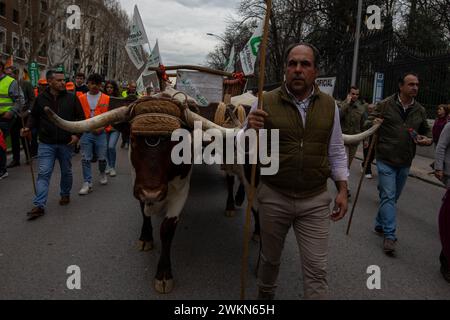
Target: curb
x: 418, y: 174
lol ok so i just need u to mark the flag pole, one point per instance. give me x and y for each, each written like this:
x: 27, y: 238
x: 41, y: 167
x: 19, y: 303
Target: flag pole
x: 27, y: 152
x: 366, y: 164
x: 262, y: 67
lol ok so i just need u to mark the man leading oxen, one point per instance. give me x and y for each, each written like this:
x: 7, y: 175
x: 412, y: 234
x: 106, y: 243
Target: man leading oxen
x: 160, y: 185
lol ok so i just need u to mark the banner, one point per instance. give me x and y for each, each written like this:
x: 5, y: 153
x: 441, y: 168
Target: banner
x: 326, y: 85
x: 137, y: 35
x: 33, y: 72
x: 135, y: 54
x: 187, y: 82
x: 250, y: 52
x: 230, y: 64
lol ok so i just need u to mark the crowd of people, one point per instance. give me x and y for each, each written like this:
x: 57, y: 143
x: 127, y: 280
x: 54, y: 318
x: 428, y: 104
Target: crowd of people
x: 22, y: 117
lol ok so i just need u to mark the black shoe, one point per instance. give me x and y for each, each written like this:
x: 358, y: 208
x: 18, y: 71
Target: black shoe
x: 13, y: 164
x: 263, y: 295
x: 64, y: 201
x: 445, y: 268
x: 379, y: 231
x: 389, y: 246
x: 35, y: 213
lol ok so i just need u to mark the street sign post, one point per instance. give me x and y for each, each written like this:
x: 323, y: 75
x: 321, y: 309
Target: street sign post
x: 378, y: 87
x: 33, y: 71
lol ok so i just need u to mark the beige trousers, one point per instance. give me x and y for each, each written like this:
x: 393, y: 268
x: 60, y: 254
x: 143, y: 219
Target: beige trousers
x: 310, y: 219
x: 351, y: 152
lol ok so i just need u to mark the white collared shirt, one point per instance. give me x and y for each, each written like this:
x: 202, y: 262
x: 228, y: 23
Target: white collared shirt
x: 336, y: 149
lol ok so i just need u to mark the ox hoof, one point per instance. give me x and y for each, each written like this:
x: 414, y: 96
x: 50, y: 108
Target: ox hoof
x: 145, y: 245
x: 256, y: 237
x: 164, y: 286
x: 230, y: 213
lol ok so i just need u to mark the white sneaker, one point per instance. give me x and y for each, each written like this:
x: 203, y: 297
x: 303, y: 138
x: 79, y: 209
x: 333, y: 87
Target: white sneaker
x: 3, y: 175
x: 368, y: 176
x: 85, y: 189
x: 108, y: 170
x: 112, y: 172
x: 103, y: 179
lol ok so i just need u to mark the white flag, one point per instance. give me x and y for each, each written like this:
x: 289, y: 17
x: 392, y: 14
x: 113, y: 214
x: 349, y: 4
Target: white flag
x: 135, y: 54
x: 154, y: 60
x: 250, y: 52
x: 140, y: 88
x: 137, y: 35
x: 230, y: 65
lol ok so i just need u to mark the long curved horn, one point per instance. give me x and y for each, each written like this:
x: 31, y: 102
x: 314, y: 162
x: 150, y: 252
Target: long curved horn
x: 355, y: 138
x: 191, y: 117
x: 113, y: 116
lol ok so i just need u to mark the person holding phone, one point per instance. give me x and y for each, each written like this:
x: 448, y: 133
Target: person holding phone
x: 403, y: 126
x: 54, y: 143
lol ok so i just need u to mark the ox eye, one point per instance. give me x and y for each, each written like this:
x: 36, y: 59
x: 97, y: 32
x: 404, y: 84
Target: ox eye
x: 152, y: 141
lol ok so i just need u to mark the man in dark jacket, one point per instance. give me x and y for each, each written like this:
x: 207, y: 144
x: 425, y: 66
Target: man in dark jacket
x: 404, y: 125
x: 54, y: 143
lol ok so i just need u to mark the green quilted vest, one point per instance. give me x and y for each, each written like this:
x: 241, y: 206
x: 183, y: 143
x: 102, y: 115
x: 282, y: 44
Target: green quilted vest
x: 303, y: 154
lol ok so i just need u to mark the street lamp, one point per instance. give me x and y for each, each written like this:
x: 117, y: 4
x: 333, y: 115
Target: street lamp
x: 216, y: 36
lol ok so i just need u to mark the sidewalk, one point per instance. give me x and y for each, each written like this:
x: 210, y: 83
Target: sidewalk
x: 420, y: 168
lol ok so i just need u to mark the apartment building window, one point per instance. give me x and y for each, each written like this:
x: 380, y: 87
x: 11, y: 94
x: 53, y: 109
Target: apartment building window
x: 2, y: 39
x: 15, y: 43
x: 15, y: 16
x: 2, y: 9
x: 44, y: 6
x: 26, y: 44
x: 43, y: 51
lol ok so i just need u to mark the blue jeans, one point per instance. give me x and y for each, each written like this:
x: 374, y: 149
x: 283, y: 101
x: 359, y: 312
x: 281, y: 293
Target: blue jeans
x: 112, y: 138
x: 5, y: 126
x: 88, y: 142
x: 391, y: 181
x: 47, y: 154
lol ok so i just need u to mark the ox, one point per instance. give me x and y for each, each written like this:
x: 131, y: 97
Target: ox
x: 160, y: 186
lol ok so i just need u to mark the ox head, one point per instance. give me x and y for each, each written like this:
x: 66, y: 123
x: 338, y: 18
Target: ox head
x: 152, y: 121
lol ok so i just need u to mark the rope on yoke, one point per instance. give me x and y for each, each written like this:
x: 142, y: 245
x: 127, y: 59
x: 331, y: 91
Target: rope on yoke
x: 156, y: 116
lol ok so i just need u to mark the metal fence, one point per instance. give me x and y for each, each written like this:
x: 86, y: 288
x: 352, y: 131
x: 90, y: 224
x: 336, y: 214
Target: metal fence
x: 385, y: 52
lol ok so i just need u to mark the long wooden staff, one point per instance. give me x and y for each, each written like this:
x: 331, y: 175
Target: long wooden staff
x: 262, y: 67
x: 366, y: 163
x: 30, y: 159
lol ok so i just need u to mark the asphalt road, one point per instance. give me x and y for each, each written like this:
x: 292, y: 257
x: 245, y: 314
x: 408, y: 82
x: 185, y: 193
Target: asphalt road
x: 99, y: 234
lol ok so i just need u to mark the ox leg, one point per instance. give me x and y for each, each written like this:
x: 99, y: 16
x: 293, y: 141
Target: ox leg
x: 240, y: 195
x: 256, y: 233
x: 164, y: 278
x: 146, y: 238
x: 230, y: 210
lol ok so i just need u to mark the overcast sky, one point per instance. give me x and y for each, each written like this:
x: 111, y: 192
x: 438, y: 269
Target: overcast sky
x: 181, y: 26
